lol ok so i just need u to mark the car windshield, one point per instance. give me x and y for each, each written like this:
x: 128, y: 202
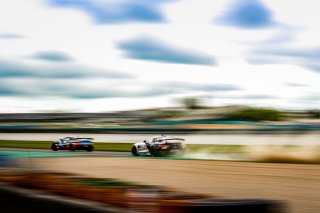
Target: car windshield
x: 85, y: 139
x: 168, y: 140
x: 164, y: 139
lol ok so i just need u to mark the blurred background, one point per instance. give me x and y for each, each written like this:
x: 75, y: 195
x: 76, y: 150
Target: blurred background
x: 237, y: 79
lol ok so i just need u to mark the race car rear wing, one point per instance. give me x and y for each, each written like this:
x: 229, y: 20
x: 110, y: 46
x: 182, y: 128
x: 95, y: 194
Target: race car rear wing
x: 85, y: 138
x: 173, y: 139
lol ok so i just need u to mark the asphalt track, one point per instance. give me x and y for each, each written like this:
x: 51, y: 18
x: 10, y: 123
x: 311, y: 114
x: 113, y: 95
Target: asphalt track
x: 34, y: 153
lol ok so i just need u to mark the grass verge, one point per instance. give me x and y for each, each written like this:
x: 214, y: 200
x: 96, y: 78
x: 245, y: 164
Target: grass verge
x: 122, y: 147
x: 117, y: 147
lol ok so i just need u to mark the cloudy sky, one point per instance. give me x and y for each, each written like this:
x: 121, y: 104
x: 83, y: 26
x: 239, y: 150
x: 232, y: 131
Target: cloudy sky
x: 102, y: 55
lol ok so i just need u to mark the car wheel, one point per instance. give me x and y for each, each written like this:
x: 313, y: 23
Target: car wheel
x: 54, y: 147
x: 71, y: 148
x: 134, y: 151
x: 153, y: 152
x: 90, y: 149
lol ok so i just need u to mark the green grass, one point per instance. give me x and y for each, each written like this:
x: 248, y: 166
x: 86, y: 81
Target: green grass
x: 25, y: 144
x: 117, y: 147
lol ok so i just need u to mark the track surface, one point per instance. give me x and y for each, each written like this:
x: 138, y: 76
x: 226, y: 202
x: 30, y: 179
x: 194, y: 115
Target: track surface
x: 14, y: 152
x: 33, y: 153
x: 296, y: 184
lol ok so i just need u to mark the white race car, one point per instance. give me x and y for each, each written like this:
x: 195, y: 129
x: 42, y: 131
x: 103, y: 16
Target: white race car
x: 159, y: 146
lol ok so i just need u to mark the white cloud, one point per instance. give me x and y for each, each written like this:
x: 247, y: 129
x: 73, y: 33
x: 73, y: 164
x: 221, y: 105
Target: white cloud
x: 189, y: 25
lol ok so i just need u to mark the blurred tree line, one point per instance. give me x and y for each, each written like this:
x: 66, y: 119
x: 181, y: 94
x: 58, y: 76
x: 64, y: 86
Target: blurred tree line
x: 250, y: 114
x: 238, y: 113
x: 257, y: 114
x: 315, y: 113
x: 191, y: 103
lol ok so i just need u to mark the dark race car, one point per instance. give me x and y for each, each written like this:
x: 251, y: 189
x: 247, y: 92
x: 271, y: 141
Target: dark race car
x: 159, y: 146
x: 73, y: 143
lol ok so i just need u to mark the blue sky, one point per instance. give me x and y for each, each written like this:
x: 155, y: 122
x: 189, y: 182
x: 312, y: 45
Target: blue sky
x: 116, y: 12
x: 250, y: 14
x: 106, y: 55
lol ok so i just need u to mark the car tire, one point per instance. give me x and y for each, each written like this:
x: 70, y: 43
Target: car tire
x: 54, y: 147
x: 71, y: 148
x: 90, y: 149
x: 134, y: 151
x: 153, y: 152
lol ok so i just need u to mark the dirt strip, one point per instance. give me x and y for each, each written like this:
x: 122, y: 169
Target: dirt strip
x: 296, y: 184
